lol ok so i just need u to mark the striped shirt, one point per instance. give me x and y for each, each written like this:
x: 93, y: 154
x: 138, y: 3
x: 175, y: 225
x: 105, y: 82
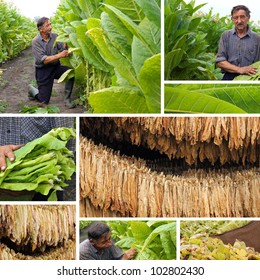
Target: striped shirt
x: 41, y: 49
x: 239, y: 51
x: 20, y: 130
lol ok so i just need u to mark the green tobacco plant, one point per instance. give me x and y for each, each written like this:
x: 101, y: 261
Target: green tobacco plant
x: 154, y: 240
x: 186, y: 48
x: 16, y: 31
x: 212, y: 98
x: 119, y: 53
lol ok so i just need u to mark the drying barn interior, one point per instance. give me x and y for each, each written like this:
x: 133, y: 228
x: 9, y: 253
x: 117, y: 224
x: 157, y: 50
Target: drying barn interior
x: 37, y: 232
x: 169, y: 166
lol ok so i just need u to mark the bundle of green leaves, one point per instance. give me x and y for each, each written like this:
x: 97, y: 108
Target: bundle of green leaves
x: 42, y: 165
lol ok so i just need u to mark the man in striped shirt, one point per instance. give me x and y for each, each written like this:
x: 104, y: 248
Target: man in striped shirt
x: 239, y: 47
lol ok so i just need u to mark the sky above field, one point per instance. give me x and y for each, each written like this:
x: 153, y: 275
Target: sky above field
x: 224, y: 7
x: 33, y: 8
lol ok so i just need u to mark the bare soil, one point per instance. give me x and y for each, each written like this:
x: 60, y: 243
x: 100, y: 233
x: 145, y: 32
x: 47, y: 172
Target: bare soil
x: 17, y: 75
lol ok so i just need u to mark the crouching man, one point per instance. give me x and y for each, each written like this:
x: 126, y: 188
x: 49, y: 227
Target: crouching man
x: 47, y: 54
x: 99, y: 245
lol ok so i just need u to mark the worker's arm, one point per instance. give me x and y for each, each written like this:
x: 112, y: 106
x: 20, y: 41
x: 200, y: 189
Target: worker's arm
x: 228, y: 67
x: 53, y: 58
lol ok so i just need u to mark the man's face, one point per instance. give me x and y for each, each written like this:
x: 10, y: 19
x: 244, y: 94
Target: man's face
x: 240, y: 19
x: 46, y: 28
x: 103, y: 242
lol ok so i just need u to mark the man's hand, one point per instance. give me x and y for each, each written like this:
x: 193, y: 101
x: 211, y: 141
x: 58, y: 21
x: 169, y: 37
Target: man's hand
x: 64, y: 53
x: 247, y: 70
x: 129, y: 254
x: 55, y: 57
x: 7, y: 152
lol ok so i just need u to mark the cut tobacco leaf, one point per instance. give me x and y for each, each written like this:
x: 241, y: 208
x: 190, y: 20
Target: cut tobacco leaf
x: 216, y: 98
x: 66, y: 76
x: 118, y: 100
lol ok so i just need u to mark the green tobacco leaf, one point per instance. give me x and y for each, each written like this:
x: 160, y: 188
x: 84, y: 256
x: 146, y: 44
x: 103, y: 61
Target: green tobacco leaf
x: 71, y: 50
x: 113, y: 56
x: 184, y: 101
x: 41, y: 164
x: 140, y: 51
x: 89, y: 50
x: 80, y: 72
x: 66, y: 76
x: 88, y: 7
x: 150, y: 81
x: 93, y: 22
x: 147, y: 254
x: 243, y: 96
x: 152, y: 10
x: 119, y: 40
x: 140, y: 230
x: 163, y: 228
x: 131, y: 26
x: 168, y: 246
x: 172, y: 60
x: 118, y: 100
x: 126, y: 243
x: 128, y: 7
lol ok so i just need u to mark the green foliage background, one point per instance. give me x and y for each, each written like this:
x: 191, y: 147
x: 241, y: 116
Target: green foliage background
x: 16, y: 31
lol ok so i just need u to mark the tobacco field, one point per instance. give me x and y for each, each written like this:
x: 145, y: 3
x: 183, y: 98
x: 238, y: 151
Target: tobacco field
x: 16, y: 32
x: 197, y: 242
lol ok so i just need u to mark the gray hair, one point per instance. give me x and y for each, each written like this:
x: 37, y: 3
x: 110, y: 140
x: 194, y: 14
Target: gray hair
x: 240, y: 7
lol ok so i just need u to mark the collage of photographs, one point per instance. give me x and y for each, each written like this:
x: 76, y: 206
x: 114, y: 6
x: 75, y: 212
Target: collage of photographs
x: 130, y: 130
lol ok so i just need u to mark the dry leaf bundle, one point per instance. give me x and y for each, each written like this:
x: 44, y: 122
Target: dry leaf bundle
x: 196, y: 139
x: 114, y: 183
x: 37, y: 232
x: 126, y: 186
